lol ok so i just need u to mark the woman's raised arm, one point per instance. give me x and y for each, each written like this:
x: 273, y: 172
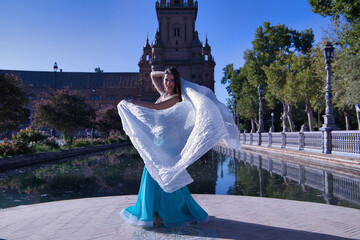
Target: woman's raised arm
x: 157, y: 78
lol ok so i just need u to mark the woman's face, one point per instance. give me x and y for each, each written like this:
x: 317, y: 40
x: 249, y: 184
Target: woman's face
x: 169, y: 83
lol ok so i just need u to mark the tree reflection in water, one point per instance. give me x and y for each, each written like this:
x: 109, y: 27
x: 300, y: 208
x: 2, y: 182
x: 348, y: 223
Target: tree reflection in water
x: 248, y: 183
x: 118, y: 172
x: 111, y: 173
x: 252, y: 180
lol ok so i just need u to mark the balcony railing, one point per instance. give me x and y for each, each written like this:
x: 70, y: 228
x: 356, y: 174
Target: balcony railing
x: 346, y: 141
x: 342, y: 141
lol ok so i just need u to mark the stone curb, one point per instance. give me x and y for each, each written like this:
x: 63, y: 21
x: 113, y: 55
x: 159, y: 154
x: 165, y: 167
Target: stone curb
x: 30, y: 159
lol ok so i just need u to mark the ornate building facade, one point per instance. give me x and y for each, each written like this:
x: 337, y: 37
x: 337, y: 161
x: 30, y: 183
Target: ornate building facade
x: 176, y: 44
x: 98, y: 89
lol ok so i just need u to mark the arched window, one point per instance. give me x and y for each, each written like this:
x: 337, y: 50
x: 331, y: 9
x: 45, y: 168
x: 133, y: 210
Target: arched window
x: 206, y: 57
x: 177, y: 32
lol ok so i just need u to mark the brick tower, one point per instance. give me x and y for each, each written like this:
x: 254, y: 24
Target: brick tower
x: 176, y: 44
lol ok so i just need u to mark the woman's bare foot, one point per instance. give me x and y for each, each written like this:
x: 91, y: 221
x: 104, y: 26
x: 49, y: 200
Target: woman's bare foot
x: 157, y: 220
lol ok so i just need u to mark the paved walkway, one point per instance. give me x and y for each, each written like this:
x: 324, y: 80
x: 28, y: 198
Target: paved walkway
x: 232, y: 217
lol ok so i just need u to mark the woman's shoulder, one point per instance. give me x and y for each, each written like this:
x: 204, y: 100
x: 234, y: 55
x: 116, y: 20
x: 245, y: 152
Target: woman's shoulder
x: 176, y: 95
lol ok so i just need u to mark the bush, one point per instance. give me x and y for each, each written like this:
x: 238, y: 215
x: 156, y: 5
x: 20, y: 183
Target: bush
x: 30, y: 135
x: 51, y: 142
x: 82, y: 142
x: 22, y: 142
x: 115, y: 139
x: 98, y: 141
x: 13, y: 147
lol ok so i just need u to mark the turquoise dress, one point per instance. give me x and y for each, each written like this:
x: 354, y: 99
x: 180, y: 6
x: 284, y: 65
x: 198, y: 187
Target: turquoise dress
x: 177, y: 209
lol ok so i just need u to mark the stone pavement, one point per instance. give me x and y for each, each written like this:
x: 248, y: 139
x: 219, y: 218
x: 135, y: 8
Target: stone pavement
x: 232, y: 217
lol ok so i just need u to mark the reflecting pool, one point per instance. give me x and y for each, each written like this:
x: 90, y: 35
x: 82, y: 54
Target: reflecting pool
x: 118, y: 172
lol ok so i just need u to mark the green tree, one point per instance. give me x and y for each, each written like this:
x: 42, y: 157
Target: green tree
x: 98, y: 70
x: 345, y: 33
x: 231, y: 77
x: 315, y: 76
x: 14, y: 99
x: 308, y: 82
x: 66, y: 111
x: 293, y: 79
x: 243, y: 96
x: 311, y: 83
x: 345, y: 15
x: 346, y: 82
x: 269, y: 40
x: 283, y: 85
x: 107, y: 120
x: 248, y: 103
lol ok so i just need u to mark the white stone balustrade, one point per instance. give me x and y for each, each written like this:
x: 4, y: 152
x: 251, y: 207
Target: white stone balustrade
x: 342, y: 141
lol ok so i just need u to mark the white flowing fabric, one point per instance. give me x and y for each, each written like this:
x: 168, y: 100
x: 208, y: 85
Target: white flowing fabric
x: 171, y: 139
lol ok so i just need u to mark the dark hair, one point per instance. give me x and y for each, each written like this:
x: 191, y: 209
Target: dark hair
x: 176, y: 74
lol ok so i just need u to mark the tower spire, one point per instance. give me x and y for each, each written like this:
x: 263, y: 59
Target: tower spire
x: 147, y: 45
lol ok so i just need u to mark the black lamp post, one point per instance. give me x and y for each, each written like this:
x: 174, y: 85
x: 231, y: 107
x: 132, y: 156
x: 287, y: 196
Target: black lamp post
x: 261, y: 94
x: 93, y: 105
x: 93, y: 97
x: 53, y: 131
x: 236, y: 114
x: 272, y: 122
x: 261, y: 124
x: 319, y: 105
x: 234, y: 109
x: 329, y: 118
x: 55, y: 70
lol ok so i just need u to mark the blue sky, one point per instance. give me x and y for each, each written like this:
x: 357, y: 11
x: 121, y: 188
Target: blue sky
x: 81, y: 35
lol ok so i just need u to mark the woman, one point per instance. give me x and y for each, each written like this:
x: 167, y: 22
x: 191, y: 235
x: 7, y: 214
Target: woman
x: 171, y: 134
x: 169, y: 89
x: 154, y: 205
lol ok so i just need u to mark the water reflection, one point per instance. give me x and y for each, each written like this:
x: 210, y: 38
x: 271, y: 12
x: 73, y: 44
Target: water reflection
x: 118, y: 172
x: 262, y: 176
x: 110, y: 173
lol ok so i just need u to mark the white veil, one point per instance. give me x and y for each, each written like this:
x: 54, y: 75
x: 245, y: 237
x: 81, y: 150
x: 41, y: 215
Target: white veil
x: 170, y: 140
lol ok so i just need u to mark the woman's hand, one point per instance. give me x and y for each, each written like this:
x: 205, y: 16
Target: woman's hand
x: 130, y: 99
x: 157, y: 106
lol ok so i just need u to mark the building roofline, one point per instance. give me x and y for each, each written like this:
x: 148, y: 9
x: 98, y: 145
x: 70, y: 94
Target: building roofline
x: 14, y: 70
